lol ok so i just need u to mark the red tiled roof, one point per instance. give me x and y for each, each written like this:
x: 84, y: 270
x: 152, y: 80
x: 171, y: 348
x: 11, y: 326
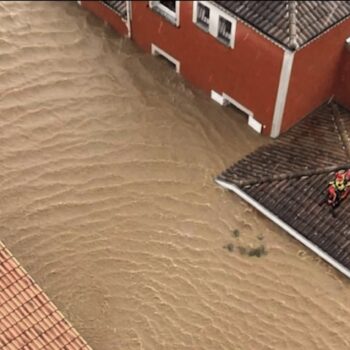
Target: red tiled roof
x: 28, y: 319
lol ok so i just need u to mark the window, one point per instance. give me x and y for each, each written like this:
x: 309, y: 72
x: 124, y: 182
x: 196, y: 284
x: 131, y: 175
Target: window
x: 222, y: 26
x: 167, y: 8
x: 203, y: 16
x: 156, y: 51
x: 169, y: 4
x: 117, y: 6
x: 224, y: 30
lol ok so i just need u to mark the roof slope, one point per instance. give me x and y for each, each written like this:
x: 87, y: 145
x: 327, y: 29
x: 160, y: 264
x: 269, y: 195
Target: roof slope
x: 28, y: 319
x: 275, y: 18
x: 289, y: 178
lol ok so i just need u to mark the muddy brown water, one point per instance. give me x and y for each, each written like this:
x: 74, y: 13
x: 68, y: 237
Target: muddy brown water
x: 107, y: 159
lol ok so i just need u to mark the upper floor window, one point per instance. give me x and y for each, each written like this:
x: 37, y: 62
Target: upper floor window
x: 167, y: 8
x: 203, y: 16
x: 170, y: 5
x: 224, y: 30
x: 213, y: 20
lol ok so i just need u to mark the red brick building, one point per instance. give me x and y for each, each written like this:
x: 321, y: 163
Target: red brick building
x: 274, y: 60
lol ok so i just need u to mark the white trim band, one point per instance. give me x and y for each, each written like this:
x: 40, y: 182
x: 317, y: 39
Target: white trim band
x: 224, y: 100
x: 217, y: 97
x: 155, y: 50
x: 214, y: 17
x: 252, y: 122
x: 285, y: 227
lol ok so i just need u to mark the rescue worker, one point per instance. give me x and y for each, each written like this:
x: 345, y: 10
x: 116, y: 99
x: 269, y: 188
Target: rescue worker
x: 339, y: 189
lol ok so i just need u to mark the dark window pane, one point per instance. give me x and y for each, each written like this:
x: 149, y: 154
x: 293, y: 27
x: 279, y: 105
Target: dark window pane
x: 203, y: 15
x: 225, y: 28
x: 169, y: 4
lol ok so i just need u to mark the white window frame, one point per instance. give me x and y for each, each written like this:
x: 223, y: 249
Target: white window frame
x: 195, y: 15
x: 173, y: 17
x: 223, y: 40
x: 155, y: 50
x: 214, y: 14
x: 225, y: 100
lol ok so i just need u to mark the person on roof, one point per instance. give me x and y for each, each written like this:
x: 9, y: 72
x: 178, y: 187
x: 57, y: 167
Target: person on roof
x: 339, y: 188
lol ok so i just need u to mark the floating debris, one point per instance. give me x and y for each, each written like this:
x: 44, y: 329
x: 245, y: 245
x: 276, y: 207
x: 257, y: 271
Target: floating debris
x: 258, y: 252
x: 229, y: 247
x: 242, y: 250
x: 236, y: 233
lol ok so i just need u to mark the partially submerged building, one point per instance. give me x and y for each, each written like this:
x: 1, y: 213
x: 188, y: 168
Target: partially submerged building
x: 28, y: 319
x: 276, y: 61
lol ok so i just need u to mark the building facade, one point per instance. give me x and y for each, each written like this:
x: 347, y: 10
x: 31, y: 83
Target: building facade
x: 275, y: 61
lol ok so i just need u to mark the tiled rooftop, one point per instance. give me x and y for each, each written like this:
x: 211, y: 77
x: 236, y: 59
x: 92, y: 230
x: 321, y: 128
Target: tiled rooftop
x: 274, y: 18
x: 28, y: 319
x: 289, y: 177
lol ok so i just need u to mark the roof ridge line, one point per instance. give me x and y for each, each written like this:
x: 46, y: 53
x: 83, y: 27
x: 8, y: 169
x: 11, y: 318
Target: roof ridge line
x: 343, y: 133
x: 292, y: 175
x: 293, y: 35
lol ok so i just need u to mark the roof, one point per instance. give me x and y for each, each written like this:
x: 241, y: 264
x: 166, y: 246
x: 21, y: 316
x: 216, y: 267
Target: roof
x: 118, y: 6
x: 288, y: 179
x: 28, y: 319
x: 290, y: 23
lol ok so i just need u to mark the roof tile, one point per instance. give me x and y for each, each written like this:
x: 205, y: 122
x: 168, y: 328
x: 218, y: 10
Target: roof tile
x: 314, y: 143
x: 28, y: 319
x: 312, y: 17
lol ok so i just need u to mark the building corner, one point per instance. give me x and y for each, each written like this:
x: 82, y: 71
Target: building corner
x: 282, y: 92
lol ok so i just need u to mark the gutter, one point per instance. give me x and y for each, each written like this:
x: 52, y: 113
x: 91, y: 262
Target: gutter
x: 295, y: 234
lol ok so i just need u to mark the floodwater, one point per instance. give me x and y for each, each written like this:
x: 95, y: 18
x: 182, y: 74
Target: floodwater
x: 107, y: 159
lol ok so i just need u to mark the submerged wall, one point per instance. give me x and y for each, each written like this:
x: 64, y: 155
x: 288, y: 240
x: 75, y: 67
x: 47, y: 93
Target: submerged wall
x: 250, y: 72
x: 107, y: 14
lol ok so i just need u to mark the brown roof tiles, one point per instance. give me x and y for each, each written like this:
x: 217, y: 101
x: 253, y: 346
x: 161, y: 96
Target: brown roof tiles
x: 274, y: 18
x: 28, y: 319
x: 287, y: 179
